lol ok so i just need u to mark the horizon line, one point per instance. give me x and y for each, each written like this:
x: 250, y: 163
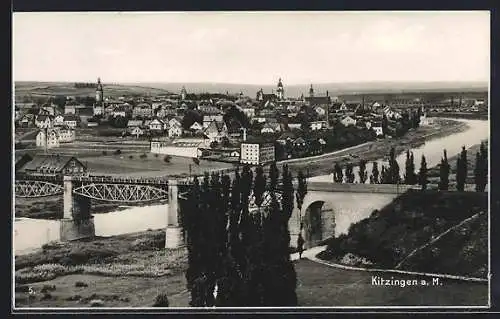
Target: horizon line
x: 486, y: 82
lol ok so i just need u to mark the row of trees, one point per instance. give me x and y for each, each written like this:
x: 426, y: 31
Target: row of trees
x: 391, y: 174
x: 238, y: 250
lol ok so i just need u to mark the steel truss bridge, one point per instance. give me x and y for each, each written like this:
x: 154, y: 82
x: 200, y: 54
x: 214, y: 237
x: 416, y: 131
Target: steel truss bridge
x: 111, y: 188
x: 103, y: 188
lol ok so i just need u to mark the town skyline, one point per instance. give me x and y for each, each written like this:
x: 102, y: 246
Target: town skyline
x: 254, y: 48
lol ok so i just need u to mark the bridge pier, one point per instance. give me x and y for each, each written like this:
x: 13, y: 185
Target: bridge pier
x: 173, y: 231
x: 77, y: 222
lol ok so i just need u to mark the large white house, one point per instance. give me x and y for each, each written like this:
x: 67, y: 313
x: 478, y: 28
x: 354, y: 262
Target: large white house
x: 256, y: 153
x: 48, y: 138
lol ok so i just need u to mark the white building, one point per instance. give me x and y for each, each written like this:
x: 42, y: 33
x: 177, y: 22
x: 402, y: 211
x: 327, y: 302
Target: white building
x: 98, y: 110
x: 48, y: 138
x: 175, y: 130
x: 256, y: 153
x: 58, y: 120
x: 157, y: 125
x: 378, y: 129
x: 43, y: 121
x: 70, y: 109
x: 196, y: 126
x: 318, y: 125
x: 207, y: 119
x: 348, y: 121
x: 425, y: 121
x: 182, y: 147
x: 66, y: 135
x: 71, y: 121
x: 248, y: 111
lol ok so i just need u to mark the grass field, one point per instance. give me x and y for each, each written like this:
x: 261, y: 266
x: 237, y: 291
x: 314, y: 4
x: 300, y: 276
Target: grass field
x: 320, y: 285
x: 149, y: 166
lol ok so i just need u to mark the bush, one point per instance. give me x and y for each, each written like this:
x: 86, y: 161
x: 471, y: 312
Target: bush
x: 143, y: 155
x: 156, y: 155
x: 161, y: 301
x: 131, y: 156
x: 104, y: 153
x: 82, y: 255
x: 118, y: 152
x: 167, y: 158
x: 80, y: 284
x: 155, y: 243
x: 47, y: 288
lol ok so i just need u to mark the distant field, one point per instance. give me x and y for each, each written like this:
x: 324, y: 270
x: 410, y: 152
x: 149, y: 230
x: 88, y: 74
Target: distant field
x: 57, y: 88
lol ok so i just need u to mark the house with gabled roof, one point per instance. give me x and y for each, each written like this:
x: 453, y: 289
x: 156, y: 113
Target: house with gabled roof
x: 196, y: 126
x: 54, y: 164
x: 216, y: 131
x: 157, y: 125
x: 43, y: 121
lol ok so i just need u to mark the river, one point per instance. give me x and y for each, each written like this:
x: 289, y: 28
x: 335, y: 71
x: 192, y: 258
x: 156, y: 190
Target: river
x: 432, y: 150
x: 30, y: 234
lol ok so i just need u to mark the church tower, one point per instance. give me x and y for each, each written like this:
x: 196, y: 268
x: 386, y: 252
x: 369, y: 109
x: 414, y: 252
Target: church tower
x: 183, y: 93
x: 99, y: 94
x: 260, y: 95
x: 311, y: 91
x: 280, y: 92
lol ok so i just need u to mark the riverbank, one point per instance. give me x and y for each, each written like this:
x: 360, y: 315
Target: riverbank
x: 73, y: 274
x: 371, y: 151
x: 433, y: 172
x: 462, y: 115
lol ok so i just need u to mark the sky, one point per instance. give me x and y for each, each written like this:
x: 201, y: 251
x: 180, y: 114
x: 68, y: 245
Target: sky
x: 252, y: 47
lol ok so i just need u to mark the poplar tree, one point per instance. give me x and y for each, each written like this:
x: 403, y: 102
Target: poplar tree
x: 374, y: 179
x: 480, y: 174
x: 362, y: 171
x: 301, y: 194
x: 349, y: 174
x: 423, y: 173
x: 444, y: 172
x: 393, y: 173
x: 410, y: 169
x: 338, y: 175
x: 461, y: 170
x: 245, y: 255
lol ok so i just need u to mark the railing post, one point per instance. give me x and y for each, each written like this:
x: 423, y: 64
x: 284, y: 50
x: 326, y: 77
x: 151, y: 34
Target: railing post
x: 68, y: 197
x: 70, y: 228
x: 173, y: 233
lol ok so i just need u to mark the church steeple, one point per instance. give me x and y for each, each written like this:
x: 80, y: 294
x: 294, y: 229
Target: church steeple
x: 280, y: 92
x: 311, y: 91
x: 183, y: 93
x: 99, y: 94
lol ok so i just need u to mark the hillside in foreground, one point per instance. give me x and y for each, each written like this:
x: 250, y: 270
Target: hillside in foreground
x: 388, y: 236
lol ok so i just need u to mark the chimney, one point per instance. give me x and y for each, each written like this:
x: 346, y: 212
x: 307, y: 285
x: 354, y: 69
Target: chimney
x: 327, y: 93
